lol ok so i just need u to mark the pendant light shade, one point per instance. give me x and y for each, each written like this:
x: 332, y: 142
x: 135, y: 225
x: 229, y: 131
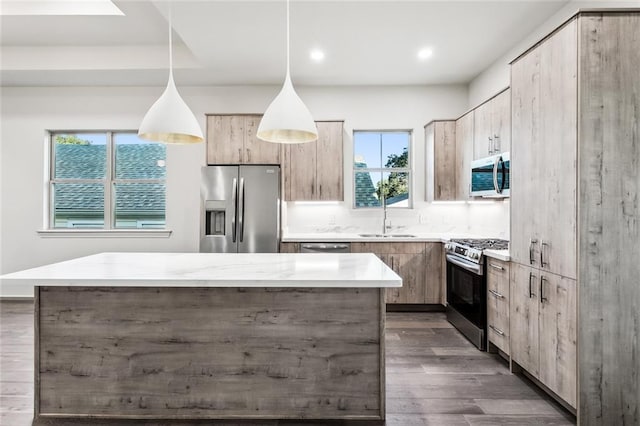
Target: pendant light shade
x: 169, y: 119
x: 287, y: 120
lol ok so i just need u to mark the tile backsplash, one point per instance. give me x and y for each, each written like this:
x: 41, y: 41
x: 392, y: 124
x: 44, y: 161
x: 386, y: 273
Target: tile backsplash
x: 482, y: 218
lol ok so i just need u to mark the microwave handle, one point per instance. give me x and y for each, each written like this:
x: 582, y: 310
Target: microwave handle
x: 495, y: 174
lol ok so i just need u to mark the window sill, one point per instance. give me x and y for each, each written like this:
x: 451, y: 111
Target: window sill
x: 105, y: 233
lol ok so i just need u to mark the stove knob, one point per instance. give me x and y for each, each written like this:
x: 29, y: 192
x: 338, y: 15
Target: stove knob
x: 475, y: 256
x: 447, y: 246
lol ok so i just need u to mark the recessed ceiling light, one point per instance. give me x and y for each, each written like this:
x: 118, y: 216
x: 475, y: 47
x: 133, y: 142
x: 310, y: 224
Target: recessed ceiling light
x: 424, y: 54
x: 59, y: 7
x: 317, y: 55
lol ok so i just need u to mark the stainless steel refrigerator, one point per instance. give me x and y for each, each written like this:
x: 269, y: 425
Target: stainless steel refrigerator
x: 240, y: 209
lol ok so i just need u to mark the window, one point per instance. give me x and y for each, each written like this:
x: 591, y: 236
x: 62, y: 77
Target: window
x: 106, y: 180
x: 381, y: 167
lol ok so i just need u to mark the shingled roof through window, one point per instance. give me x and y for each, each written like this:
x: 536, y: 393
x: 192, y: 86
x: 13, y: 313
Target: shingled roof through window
x: 135, y: 161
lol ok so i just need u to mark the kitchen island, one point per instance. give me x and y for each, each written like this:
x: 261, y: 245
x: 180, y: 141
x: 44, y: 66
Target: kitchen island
x: 167, y: 336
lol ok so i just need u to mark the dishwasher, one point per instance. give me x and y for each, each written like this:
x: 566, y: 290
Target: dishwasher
x: 325, y: 248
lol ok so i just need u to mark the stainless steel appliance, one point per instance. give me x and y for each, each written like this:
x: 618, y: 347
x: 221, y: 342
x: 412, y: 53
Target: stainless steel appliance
x: 467, y: 286
x: 240, y: 209
x: 490, y: 176
x: 325, y: 248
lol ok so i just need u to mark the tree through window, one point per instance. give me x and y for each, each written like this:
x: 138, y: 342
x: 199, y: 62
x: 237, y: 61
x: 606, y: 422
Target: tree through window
x: 381, y: 168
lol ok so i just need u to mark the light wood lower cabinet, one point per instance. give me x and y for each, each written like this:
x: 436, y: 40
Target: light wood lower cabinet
x: 498, y: 304
x: 543, y: 322
x: 418, y: 264
x: 289, y: 247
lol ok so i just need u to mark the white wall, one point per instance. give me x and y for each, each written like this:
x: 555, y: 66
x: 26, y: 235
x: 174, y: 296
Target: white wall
x: 28, y: 112
x: 497, y: 76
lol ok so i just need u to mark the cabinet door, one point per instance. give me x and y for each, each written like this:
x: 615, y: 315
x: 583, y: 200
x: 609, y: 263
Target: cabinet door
x: 257, y: 151
x: 558, y: 318
x: 498, y: 303
x: 225, y: 134
x: 300, y: 172
x: 464, y: 154
x: 558, y: 137
x: 527, y: 211
x: 330, y: 164
x: 289, y: 247
x: 523, y: 317
x: 411, y: 267
x: 444, y: 147
x: 433, y: 290
x: 501, y: 121
x: 482, y: 131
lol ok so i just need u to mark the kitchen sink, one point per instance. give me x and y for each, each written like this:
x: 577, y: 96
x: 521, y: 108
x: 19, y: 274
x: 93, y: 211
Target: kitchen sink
x: 387, y: 235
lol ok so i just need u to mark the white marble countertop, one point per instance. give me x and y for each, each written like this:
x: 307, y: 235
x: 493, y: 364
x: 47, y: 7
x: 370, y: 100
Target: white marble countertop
x: 353, y: 237
x: 497, y: 254
x: 214, y: 270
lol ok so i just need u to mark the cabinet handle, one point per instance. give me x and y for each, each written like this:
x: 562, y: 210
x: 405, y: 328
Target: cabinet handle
x: 496, y: 294
x: 497, y: 330
x: 239, y: 155
x: 542, y: 246
x: 248, y: 155
x: 490, y: 145
x: 496, y: 144
x: 498, y: 267
x: 531, y: 278
x: 320, y: 190
x: 542, y: 298
x: 392, y: 264
x: 532, y: 258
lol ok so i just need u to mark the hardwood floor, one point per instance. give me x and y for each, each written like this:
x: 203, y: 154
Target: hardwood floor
x: 434, y: 377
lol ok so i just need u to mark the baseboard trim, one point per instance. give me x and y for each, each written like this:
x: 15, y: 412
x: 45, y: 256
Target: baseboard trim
x: 414, y: 307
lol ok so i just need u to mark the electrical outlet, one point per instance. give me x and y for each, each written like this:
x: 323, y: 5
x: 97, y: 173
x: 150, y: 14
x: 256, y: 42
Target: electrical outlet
x: 332, y: 219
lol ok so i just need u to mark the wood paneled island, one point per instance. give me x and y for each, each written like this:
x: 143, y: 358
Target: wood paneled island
x: 192, y: 336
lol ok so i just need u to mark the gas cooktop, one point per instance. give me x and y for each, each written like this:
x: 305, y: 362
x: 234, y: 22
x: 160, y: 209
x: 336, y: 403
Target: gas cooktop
x: 483, y: 244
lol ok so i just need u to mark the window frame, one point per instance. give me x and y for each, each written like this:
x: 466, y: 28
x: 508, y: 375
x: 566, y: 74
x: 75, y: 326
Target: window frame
x: 382, y: 170
x: 109, y: 181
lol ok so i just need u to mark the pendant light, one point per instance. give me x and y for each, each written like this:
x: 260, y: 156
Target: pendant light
x: 169, y: 119
x: 287, y: 120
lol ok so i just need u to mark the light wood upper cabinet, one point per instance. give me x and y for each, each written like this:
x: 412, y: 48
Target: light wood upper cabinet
x: 330, y: 164
x: 314, y: 171
x: 257, y: 151
x: 526, y: 178
x: 464, y: 154
x: 440, y: 137
x: 492, y: 126
x: 543, y: 172
x: 231, y: 139
x: 300, y: 172
x: 418, y: 264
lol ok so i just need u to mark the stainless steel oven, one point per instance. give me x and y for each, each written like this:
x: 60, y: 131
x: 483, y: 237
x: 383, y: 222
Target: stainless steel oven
x: 467, y: 287
x: 467, y: 299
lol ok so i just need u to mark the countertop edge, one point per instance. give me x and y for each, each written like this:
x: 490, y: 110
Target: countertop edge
x: 497, y: 254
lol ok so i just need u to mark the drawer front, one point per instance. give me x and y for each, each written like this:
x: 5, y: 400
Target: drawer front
x: 498, y: 303
x: 498, y: 322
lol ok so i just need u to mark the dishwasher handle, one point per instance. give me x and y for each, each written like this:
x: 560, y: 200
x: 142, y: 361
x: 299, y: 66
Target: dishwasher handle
x: 325, y: 248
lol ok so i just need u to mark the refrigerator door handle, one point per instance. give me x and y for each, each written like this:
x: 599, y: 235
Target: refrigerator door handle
x: 234, y: 201
x: 241, y: 210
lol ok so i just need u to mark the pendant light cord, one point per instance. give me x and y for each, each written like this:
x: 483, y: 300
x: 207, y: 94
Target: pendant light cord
x: 288, y: 42
x: 170, y: 42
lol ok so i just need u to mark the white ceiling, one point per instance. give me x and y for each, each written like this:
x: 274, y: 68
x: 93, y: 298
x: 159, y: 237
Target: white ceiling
x: 243, y: 42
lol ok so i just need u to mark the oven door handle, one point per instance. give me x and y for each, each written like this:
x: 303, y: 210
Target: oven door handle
x: 469, y: 266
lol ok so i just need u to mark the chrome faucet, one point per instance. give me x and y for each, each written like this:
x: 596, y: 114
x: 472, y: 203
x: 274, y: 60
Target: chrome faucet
x: 384, y: 216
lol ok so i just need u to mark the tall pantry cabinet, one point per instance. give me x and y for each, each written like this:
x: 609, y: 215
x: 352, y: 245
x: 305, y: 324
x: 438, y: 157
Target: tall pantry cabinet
x: 575, y: 214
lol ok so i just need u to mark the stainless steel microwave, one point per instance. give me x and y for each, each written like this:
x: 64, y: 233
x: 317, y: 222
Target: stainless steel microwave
x: 490, y: 176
